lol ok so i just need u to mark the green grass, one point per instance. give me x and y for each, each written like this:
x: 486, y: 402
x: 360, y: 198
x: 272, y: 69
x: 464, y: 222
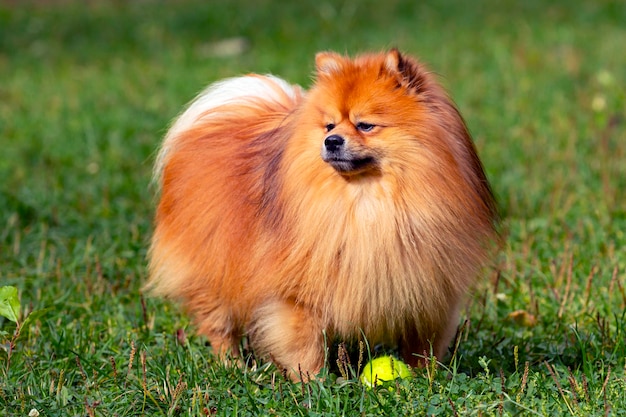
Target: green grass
x: 87, y: 90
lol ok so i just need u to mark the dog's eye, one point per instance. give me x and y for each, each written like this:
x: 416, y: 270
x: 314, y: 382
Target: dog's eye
x: 330, y: 126
x: 365, y: 127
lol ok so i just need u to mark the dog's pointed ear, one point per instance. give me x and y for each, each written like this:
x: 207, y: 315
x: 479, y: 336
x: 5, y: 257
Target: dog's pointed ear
x: 407, y: 71
x: 393, y: 61
x: 328, y: 63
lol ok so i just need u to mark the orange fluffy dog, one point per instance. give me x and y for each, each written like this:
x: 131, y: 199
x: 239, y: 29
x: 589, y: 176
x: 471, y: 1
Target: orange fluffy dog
x: 357, y: 208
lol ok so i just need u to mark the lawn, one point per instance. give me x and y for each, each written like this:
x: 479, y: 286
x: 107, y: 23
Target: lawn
x: 87, y: 90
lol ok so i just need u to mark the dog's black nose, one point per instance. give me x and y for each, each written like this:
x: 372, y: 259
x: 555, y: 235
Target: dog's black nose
x: 333, y: 143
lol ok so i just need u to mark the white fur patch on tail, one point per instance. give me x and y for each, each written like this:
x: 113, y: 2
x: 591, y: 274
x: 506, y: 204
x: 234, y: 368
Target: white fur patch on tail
x: 235, y: 90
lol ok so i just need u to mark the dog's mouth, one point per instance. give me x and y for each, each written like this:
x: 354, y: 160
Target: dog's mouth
x: 345, y: 159
x: 351, y: 166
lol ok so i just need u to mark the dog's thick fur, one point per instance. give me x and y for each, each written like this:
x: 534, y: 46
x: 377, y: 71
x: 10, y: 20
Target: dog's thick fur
x: 265, y: 229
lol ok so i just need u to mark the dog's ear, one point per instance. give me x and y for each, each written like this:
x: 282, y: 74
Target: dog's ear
x: 408, y: 72
x: 393, y: 61
x: 328, y: 63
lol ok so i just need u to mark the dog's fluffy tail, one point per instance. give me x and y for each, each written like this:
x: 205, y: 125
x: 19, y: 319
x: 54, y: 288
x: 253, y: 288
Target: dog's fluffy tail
x: 247, y: 91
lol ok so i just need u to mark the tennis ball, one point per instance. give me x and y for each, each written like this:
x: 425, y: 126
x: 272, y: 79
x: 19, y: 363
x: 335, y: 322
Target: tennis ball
x: 382, y: 369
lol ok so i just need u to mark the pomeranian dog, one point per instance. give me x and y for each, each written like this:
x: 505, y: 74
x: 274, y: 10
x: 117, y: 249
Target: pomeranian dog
x: 357, y: 209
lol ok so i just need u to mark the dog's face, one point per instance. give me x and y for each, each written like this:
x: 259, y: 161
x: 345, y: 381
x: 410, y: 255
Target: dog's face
x: 365, y: 114
x: 344, y: 147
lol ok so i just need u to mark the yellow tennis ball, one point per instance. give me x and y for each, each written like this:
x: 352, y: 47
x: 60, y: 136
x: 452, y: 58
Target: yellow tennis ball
x: 383, y: 369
